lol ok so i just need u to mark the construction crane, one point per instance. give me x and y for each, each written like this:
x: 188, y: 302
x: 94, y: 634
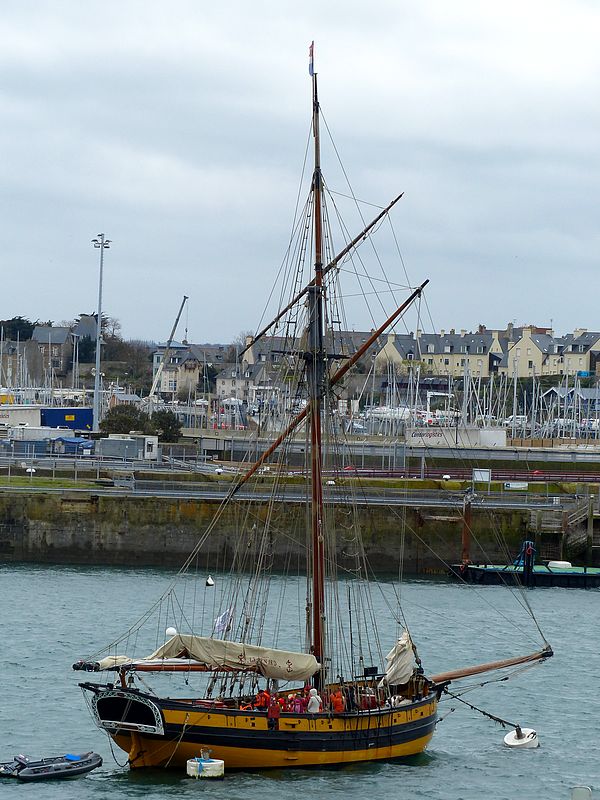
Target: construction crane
x: 165, y: 359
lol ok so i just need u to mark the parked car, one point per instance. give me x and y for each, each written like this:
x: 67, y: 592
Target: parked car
x: 518, y: 420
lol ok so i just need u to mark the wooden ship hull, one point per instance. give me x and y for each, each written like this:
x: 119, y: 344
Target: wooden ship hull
x: 166, y: 733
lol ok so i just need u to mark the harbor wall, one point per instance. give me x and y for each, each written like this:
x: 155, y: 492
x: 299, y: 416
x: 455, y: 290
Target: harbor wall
x: 81, y: 528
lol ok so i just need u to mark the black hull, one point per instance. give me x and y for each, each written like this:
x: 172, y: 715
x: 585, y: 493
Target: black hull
x: 539, y: 577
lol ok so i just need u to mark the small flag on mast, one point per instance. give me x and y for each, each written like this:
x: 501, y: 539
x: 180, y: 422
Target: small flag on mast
x: 223, y: 621
x: 311, y: 62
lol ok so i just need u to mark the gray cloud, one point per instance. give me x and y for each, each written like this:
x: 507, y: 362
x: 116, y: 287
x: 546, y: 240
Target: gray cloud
x: 180, y: 131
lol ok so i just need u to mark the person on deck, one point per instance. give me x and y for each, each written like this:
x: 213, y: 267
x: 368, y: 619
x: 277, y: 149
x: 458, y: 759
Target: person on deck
x: 314, y: 702
x: 262, y: 701
x: 273, y: 714
x: 297, y: 704
x: 337, y: 702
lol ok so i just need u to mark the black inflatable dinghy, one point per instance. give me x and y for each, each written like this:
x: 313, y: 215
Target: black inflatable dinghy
x: 26, y: 768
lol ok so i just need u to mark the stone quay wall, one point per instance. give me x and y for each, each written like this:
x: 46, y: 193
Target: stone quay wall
x: 82, y: 528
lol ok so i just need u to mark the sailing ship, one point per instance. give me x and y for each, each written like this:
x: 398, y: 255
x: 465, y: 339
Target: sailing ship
x: 250, y: 712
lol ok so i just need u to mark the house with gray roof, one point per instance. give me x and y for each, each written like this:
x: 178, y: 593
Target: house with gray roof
x: 56, y: 346
x: 442, y: 354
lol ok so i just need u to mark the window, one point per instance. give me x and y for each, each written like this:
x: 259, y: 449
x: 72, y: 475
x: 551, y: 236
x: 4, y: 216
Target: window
x: 447, y: 348
x: 530, y: 365
x: 430, y: 360
x: 446, y: 361
x: 431, y: 348
x: 233, y: 373
x: 462, y: 362
x: 479, y: 362
x: 480, y: 348
x: 410, y: 356
x: 529, y: 351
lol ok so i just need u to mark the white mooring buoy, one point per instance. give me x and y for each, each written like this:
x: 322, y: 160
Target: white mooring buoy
x: 581, y: 793
x: 210, y: 581
x: 522, y: 738
x: 206, y: 768
x: 171, y: 631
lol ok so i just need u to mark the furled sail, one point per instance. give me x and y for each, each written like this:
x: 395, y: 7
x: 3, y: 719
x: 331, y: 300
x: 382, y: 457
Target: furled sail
x: 400, y: 662
x: 220, y: 654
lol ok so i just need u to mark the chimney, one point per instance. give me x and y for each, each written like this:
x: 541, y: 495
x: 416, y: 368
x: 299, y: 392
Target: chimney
x: 509, y: 331
x: 442, y: 332
x: 463, y: 333
x: 452, y: 331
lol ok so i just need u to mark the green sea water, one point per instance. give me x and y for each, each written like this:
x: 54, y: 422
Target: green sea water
x: 51, y: 616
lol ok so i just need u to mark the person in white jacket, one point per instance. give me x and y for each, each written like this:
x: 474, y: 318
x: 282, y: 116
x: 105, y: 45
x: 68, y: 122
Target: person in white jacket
x: 314, y: 702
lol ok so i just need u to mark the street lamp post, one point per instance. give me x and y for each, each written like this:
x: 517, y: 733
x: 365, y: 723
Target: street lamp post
x: 100, y: 243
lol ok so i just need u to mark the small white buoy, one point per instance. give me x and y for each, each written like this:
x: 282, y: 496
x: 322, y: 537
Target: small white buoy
x: 209, y: 581
x: 523, y: 738
x: 205, y: 768
x: 171, y: 631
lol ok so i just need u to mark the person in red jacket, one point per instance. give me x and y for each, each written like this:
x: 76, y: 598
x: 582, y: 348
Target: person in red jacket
x: 273, y: 714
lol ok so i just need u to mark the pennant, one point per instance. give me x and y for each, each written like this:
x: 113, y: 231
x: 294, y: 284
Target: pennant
x: 311, y: 62
x: 223, y: 621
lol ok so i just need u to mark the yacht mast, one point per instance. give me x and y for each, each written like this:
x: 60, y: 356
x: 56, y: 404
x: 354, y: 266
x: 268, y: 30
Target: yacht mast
x: 316, y: 361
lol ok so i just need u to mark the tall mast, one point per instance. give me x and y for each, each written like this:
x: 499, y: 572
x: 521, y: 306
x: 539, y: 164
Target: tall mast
x: 316, y: 361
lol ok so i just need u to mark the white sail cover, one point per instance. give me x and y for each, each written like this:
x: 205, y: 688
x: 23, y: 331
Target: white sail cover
x: 217, y: 654
x: 400, y: 662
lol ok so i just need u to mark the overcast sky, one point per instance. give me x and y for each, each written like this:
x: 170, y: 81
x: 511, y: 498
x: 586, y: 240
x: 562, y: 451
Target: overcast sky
x: 179, y: 130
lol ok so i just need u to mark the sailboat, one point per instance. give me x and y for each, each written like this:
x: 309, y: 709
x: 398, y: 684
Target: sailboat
x: 326, y: 701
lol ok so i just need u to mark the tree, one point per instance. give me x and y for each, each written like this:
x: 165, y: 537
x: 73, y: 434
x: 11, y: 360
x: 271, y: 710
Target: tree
x: 238, y: 344
x: 17, y: 328
x: 111, y: 327
x: 166, y: 425
x: 123, y: 419
x: 86, y: 350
